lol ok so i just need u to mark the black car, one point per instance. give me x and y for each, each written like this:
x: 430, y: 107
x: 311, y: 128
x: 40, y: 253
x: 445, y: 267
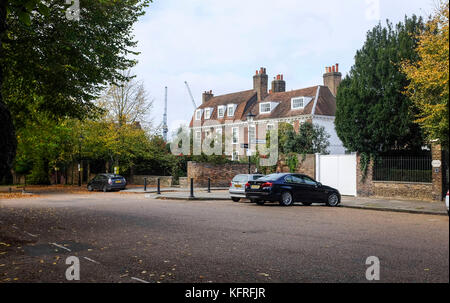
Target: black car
x: 290, y: 188
x: 107, y: 182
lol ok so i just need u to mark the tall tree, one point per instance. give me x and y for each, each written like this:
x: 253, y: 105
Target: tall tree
x: 429, y: 76
x: 57, y: 64
x: 127, y: 101
x: 310, y: 139
x: 373, y: 115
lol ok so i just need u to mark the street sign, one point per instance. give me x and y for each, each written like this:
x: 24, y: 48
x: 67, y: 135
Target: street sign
x: 436, y: 163
x: 244, y: 145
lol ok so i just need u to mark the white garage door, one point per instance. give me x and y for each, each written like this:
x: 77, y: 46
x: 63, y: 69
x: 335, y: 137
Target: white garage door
x: 338, y: 171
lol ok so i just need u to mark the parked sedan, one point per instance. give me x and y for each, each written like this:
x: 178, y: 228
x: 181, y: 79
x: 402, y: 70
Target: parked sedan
x: 237, y: 185
x: 107, y: 182
x: 290, y: 188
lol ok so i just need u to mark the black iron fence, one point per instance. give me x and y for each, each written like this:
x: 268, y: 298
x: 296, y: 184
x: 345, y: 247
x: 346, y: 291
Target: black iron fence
x: 403, y: 168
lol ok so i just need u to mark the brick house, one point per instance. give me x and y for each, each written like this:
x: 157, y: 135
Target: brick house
x: 228, y: 113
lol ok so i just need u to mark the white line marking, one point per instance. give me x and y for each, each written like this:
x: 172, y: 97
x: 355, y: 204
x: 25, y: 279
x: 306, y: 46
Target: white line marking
x: 60, y: 246
x: 30, y: 234
x: 140, y: 280
x: 15, y: 227
x: 93, y: 261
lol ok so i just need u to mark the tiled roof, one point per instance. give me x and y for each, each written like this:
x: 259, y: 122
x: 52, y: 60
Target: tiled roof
x: 283, y: 109
x: 242, y: 99
x: 246, y: 102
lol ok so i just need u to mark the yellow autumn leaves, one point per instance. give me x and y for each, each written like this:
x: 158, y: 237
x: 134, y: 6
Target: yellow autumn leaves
x: 429, y: 76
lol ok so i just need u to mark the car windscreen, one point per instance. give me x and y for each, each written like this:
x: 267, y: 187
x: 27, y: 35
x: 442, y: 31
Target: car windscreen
x: 240, y: 178
x: 272, y: 177
x: 257, y: 177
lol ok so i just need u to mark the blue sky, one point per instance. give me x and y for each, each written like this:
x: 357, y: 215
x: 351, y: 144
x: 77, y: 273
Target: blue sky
x: 219, y: 44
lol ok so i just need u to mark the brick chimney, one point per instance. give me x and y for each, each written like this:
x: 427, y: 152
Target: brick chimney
x: 206, y: 96
x: 260, y: 82
x: 278, y: 84
x: 332, y: 78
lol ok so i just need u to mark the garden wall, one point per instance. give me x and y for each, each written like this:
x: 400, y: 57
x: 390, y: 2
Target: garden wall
x: 220, y: 174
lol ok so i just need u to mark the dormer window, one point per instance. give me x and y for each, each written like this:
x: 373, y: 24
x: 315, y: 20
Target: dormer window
x: 221, y: 111
x: 208, y: 112
x: 198, y: 114
x: 298, y: 103
x: 231, y: 108
x: 265, y: 108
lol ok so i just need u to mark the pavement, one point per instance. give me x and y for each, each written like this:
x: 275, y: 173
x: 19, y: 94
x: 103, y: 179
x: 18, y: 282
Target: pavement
x: 131, y: 238
x: 381, y: 204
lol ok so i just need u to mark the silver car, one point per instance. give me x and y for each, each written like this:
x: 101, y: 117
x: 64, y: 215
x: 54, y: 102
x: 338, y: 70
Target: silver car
x: 237, y: 185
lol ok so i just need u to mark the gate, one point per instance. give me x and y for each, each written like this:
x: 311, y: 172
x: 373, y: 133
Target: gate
x: 338, y: 171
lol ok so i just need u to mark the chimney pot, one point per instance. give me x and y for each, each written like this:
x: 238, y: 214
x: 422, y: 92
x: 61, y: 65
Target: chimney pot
x: 337, y: 67
x: 281, y: 77
x: 334, y: 68
x: 256, y: 72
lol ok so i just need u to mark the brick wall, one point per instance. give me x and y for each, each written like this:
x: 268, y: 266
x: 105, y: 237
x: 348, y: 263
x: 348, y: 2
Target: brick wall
x: 364, y: 184
x: 306, y: 166
x: 366, y: 187
x: 166, y: 181
x: 220, y: 175
x: 413, y: 191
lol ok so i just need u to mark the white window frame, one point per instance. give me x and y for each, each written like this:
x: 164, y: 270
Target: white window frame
x: 218, y: 111
x: 198, y: 136
x: 303, y: 99
x: 253, y: 127
x: 231, y: 107
x: 198, y: 114
x: 233, y: 137
x: 261, y: 106
x: 235, y: 156
x: 208, y: 112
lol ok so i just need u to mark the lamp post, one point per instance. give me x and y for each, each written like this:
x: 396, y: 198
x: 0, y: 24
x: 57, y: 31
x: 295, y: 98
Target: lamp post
x: 250, y: 117
x: 79, y: 158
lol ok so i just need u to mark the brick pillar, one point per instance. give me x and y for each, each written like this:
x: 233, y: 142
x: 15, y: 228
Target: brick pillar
x: 437, y: 174
x: 364, y: 186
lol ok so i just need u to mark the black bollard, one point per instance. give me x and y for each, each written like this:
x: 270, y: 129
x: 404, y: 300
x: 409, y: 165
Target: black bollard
x: 159, y: 187
x: 209, y: 185
x: 145, y: 184
x: 192, y: 188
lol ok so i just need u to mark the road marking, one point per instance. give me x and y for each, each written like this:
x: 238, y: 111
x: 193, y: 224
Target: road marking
x: 15, y: 227
x: 93, y: 261
x: 140, y: 280
x: 60, y: 246
x: 30, y: 234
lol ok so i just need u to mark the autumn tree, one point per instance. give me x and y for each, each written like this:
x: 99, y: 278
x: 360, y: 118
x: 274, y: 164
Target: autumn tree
x: 59, y: 65
x: 127, y: 101
x: 429, y: 77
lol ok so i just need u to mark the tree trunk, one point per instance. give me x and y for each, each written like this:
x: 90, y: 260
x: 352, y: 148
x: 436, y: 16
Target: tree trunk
x: 8, y: 143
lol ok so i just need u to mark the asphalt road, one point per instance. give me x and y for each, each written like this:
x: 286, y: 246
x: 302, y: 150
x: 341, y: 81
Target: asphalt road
x: 129, y: 238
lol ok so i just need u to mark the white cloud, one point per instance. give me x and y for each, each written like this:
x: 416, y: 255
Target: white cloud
x: 218, y: 45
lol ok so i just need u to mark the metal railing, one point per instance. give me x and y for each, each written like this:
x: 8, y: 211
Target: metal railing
x: 403, y: 169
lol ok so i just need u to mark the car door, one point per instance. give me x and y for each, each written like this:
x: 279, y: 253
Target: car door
x: 296, y: 186
x: 312, y: 189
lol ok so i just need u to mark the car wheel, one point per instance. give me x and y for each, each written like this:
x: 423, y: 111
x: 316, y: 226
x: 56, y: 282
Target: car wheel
x: 90, y: 188
x: 235, y: 199
x: 333, y: 200
x: 307, y: 203
x: 260, y: 202
x: 286, y: 199
x: 105, y: 189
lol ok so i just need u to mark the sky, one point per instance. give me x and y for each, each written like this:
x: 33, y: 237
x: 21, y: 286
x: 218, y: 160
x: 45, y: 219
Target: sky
x: 219, y: 44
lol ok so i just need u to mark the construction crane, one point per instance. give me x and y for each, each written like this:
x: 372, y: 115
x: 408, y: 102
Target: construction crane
x: 164, y: 127
x: 190, y: 94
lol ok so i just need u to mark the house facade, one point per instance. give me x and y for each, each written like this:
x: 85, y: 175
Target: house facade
x: 228, y: 114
